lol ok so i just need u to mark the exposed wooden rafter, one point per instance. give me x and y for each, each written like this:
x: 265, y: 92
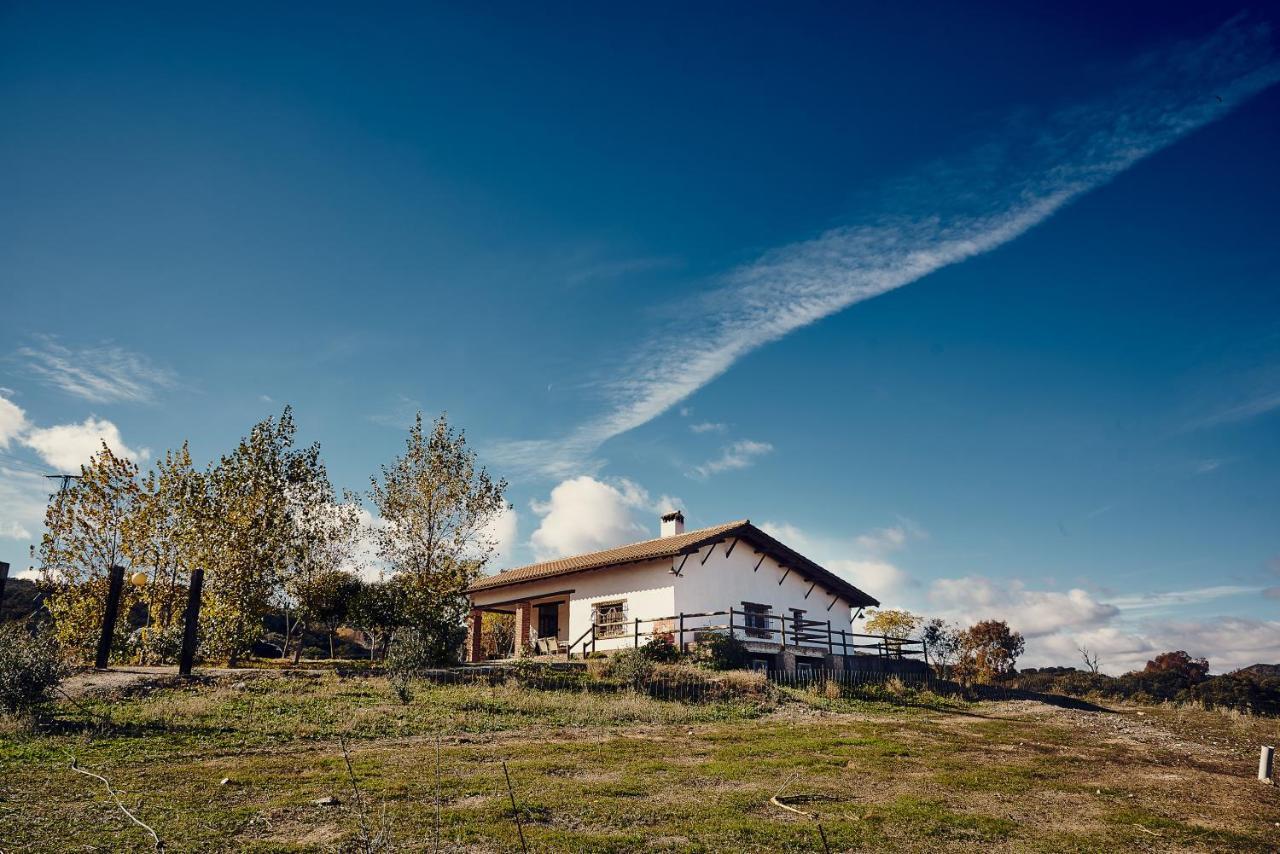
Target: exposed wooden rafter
x: 676, y: 570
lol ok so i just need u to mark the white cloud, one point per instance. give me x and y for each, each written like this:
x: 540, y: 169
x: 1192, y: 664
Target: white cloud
x: 884, y: 539
x: 1126, y: 631
x: 23, y: 497
x: 101, y: 374
x: 943, y: 216
x: 13, y: 422
x: 738, y: 455
x: 1227, y: 642
x: 583, y: 514
x: 709, y: 427
x: 879, y: 578
x: 1175, y: 598
x: 503, y: 531
x: 1035, y: 613
x: 622, y: 267
x: 1120, y: 630
x: 66, y: 447
x: 849, y: 558
x: 1249, y: 409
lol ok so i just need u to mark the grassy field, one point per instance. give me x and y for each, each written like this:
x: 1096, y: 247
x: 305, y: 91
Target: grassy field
x: 625, y: 773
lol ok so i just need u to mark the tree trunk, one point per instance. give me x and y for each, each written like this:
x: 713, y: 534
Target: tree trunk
x: 331, y: 633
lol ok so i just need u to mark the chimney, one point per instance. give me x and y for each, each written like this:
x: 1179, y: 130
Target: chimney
x: 672, y: 524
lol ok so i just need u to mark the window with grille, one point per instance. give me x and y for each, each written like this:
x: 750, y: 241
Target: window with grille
x: 610, y: 619
x: 755, y: 619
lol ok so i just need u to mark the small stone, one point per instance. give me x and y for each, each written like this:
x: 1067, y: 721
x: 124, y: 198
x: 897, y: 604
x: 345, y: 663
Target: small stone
x: 225, y: 781
x: 240, y: 686
x: 326, y: 801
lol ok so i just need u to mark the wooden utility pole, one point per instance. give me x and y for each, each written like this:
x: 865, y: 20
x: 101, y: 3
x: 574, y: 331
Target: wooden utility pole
x: 190, y: 622
x: 116, y: 581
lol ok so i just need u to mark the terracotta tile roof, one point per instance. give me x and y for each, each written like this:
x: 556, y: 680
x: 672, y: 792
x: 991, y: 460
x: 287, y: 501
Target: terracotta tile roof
x: 688, y: 542
x: 645, y: 550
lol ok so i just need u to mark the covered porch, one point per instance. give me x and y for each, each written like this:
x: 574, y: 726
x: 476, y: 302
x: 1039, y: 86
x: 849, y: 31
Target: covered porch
x: 774, y: 640
x: 543, y: 617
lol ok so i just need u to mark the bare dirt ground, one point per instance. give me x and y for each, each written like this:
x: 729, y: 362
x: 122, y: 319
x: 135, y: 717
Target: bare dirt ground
x: 139, y: 677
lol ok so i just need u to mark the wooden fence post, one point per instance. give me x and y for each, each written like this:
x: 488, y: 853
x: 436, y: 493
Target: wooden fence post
x: 4, y: 576
x: 637, y: 632
x: 680, y: 640
x: 115, y: 585
x: 1266, y: 764
x: 190, y: 622
x: 831, y: 649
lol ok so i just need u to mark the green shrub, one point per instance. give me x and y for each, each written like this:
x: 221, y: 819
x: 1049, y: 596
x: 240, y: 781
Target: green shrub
x: 661, y: 648
x: 722, y: 651
x: 156, y: 644
x: 31, y: 667
x: 412, y: 652
x: 630, y: 665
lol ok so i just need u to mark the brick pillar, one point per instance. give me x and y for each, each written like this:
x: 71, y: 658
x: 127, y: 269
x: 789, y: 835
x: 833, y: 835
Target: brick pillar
x: 523, y: 611
x: 474, y: 651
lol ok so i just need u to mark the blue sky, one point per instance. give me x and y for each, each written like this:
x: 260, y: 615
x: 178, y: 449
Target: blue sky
x: 977, y: 306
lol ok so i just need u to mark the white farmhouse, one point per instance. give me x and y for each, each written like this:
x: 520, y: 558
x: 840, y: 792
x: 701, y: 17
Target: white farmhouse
x: 731, y: 577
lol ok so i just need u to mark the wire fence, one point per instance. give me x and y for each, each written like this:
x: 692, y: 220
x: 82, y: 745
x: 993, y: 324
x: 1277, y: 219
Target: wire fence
x: 690, y: 684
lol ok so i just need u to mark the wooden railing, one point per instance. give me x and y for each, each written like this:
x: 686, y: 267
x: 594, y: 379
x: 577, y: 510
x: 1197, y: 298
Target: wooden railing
x: 793, y: 631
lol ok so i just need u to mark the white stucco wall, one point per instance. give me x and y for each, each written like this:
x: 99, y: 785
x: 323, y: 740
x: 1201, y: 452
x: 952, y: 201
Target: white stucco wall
x: 652, y: 591
x: 723, y: 581
x: 647, y: 588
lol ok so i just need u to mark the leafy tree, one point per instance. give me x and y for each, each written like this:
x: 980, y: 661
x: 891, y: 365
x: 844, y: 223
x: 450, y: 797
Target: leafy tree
x: 438, y: 506
x: 497, y: 634
x: 376, y: 612
x: 332, y: 596
x: 247, y: 532
x: 896, y: 625
x: 892, y: 622
x: 84, y: 537
x: 988, y: 650
x: 942, y: 644
x: 161, y: 535
x: 1179, y: 663
x: 321, y: 539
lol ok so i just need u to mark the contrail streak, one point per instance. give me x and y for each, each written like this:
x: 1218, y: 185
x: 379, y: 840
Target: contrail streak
x: 953, y: 211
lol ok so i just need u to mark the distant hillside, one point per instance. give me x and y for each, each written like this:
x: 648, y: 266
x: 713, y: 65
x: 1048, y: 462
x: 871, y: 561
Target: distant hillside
x: 19, y: 599
x: 1260, y: 671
